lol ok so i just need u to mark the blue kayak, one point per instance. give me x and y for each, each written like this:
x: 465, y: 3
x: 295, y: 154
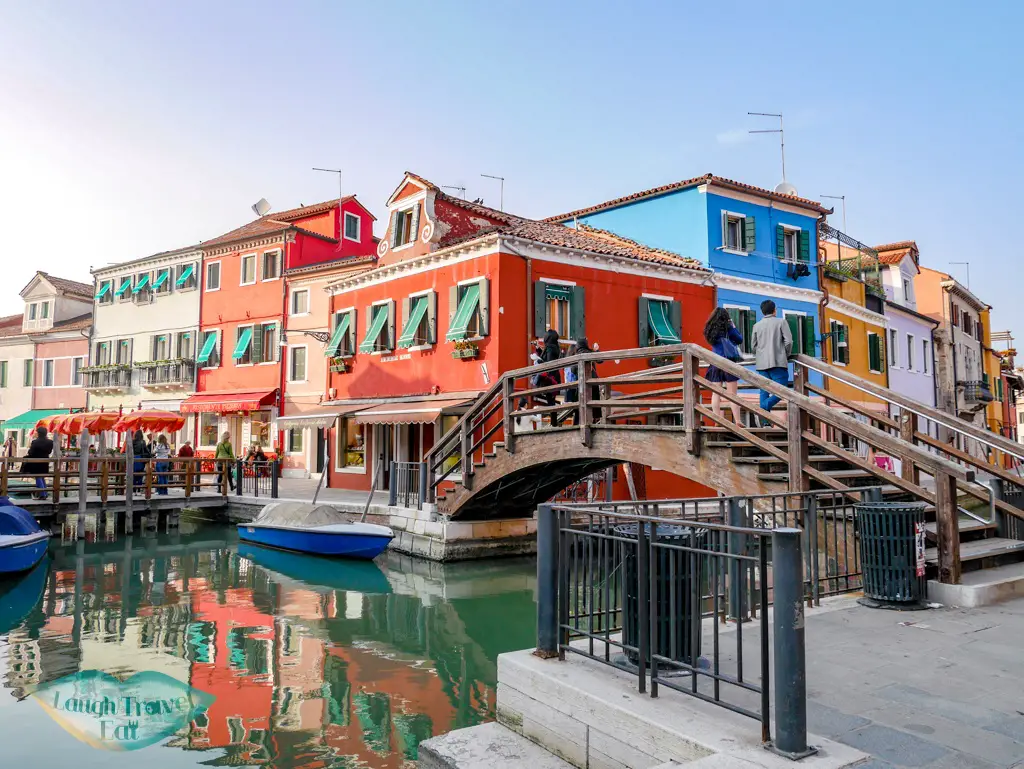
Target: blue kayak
x: 22, y: 543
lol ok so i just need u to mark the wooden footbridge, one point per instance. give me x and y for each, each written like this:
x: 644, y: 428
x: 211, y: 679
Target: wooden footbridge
x: 624, y: 409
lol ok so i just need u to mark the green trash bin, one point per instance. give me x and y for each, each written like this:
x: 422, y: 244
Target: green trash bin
x: 892, y: 541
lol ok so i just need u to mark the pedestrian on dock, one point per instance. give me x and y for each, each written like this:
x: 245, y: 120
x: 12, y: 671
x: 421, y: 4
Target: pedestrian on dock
x: 225, y: 452
x: 40, y: 448
x: 185, y: 452
x: 142, y: 454
x: 772, y: 344
x: 10, y: 446
x: 723, y: 336
x: 162, y: 453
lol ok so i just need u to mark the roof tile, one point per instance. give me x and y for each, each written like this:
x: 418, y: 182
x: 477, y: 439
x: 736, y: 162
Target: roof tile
x: 73, y: 287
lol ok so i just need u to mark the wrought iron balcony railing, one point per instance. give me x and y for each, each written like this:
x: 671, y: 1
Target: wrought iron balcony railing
x: 166, y: 373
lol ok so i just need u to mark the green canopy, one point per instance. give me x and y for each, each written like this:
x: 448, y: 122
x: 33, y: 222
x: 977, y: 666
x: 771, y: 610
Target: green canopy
x: 161, y: 278
x: 29, y: 419
x: 181, y: 281
x: 339, y: 333
x: 243, y: 343
x: 380, y: 317
x: 412, y: 323
x: 143, y: 282
x: 558, y: 292
x: 661, y: 326
x: 464, y: 314
x: 104, y: 289
x: 125, y: 285
x: 208, y: 347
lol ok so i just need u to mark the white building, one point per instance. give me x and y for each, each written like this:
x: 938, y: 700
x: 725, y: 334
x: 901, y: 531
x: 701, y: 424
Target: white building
x: 145, y: 330
x: 16, y: 352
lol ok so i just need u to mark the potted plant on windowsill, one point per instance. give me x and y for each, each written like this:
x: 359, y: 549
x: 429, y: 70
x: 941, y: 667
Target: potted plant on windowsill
x: 465, y: 349
x: 338, y: 365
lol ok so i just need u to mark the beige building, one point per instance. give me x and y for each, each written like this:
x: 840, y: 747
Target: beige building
x: 16, y: 352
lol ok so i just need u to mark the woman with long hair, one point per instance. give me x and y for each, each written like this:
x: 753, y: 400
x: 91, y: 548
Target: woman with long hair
x: 724, y: 338
x: 549, y: 354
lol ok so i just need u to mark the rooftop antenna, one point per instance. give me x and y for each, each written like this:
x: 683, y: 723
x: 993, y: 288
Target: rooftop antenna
x: 842, y: 198
x: 260, y: 207
x: 341, y: 221
x: 785, y: 188
x: 968, y: 266
x: 501, y: 199
x: 461, y: 189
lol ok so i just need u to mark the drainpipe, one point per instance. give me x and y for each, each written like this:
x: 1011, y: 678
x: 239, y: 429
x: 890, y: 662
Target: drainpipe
x: 530, y: 310
x: 282, y: 351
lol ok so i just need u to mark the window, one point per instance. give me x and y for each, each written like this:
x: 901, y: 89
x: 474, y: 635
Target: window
x: 124, y: 351
x: 925, y: 356
x: 162, y: 281
x: 48, y: 366
x: 104, y: 293
x: 184, y: 346
x: 44, y: 310
x: 261, y: 428
x: 76, y: 371
x: 209, y: 353
x: 267, y: 352
x: 404, y: 226
x: 295, y: 441
x: 29, y: 373
x: 744, y: 319
x: 560, y: 307
x: 242, y: 354
x: 300, y: 302
x: 804, y: 333
x: 32, y: 310
x: 380, y: 326
x: 124, y: 290
x: 1020, y: 418
x: 876, y: 360
x: 351, y: 445
x: 248, y: 269
x: 840, y: 342
x: 208, y: 426
x: 910, y: 352
x: 792, y: 244
x: 297, y: 364
x: 213, y: 276
x: 660, y: 322
x: 271, y: 265
x: 351, y: 226
x: 738, y: 232
x: 343, y: 339
x: 143, y: 290
x: 185, y: 276
x: 102, y: 356
x: 894, y: 351
x: 906, y: 289
x: 419, y: 320
x: 3, y: 373
x: 161, y: 347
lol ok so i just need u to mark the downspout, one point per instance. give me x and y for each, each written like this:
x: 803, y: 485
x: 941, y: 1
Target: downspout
x: 530, y: 309
x: 282, y: 351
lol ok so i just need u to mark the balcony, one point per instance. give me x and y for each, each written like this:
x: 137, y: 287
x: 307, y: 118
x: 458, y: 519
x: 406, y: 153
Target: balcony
x: 976, y: 395
x: 167, y: 374
x: 111, y: 378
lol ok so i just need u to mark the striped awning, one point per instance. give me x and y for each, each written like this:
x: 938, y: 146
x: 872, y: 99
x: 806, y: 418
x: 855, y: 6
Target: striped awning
x: 410, y: 412
x: 226, y: 403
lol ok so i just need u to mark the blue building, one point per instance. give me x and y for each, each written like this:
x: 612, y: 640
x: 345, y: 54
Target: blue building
x: 761, y: 244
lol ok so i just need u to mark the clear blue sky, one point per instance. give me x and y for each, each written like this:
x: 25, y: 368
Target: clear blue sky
x: 133, y: 127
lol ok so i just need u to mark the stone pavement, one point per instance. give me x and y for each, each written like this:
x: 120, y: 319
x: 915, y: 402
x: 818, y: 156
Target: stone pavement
x: 940, y: 689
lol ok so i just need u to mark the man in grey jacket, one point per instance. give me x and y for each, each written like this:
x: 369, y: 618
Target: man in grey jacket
x: 772, y: 343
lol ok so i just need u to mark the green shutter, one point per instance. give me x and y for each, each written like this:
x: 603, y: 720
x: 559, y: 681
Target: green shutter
x: 873, y: 351
x: 643, y: 325
x: 244, y: 340
x: 805, y: 246
x: 395, y: 219
x: 540, y: 309
x: 459, y: 328
x: 748, y: 332
x: 749, y: 237
x: 378, y: 317
x: 810, y: 336
x: 142, y: 284
x: 484, y: 317
x: 104, y: 289
x: 334, y: 345
x: 833, y: 339
x: 780, y: 241
x: 675, y: 316
x: 183, y: 279
x: 125, y: 285
x: 414, y: 311
x: 984, y: 379
x: 414, y: 229
x: 161, y: 278
x: 661, y: 326
x: 794, y: 330
x: 257, y: 344
x: 578, y: 313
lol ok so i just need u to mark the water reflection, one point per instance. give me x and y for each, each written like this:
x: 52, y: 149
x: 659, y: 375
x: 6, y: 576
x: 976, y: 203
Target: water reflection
x: 313, y: 663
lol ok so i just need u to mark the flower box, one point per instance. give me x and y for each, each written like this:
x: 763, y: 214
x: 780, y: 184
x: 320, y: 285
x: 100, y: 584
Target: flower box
x: 338, y: 366
x: 466, y: 352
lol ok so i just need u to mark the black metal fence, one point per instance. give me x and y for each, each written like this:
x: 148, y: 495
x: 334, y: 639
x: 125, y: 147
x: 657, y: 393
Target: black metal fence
x: 407, y: 484
x: 257, y: 479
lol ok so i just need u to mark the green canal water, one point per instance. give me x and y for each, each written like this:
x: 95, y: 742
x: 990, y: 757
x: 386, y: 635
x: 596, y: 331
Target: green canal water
x: 249, y: 656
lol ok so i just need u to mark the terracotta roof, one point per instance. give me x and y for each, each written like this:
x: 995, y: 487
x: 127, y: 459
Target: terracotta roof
x: 335, y: 264
x: 10, y: 325
x: 894, y: 253
x: 695, y: 181
x: 71, y: 324
x: 901, y: 245
x: 72, y: 287
x: 262, y: 227
x: 303, y: 211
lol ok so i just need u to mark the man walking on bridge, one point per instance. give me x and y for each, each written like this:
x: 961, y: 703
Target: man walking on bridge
x: 772, y: 344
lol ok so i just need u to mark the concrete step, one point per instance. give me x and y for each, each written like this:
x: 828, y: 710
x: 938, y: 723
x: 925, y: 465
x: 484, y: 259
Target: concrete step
x: 981, y: 548
x: 487, y: 746
x: 966, y: 524
x: 981, y: 588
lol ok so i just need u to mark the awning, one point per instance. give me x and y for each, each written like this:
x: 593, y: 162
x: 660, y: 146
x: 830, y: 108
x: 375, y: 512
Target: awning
x: 298, y: 421
x: 464, y: 314
x: 161, y: 278
x: 28, y: 420
x: 181, y: 281
x: 207, y: 351
x: 141, y: 284
x: 242, y: 346
x: 123, y: 288
x: 412, y: 323
x: 227, y: 402
x: 411, y: 412
x: 104, y: 289
x: 557, y: 292
x: 380, y: 317
x: 339, y: 333
x: 657, y: 313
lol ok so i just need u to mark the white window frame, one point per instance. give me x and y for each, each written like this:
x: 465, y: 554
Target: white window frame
x: 924, y: 356
x: 842, y: 342
x: 910, y: 352
x: 894, y: 348
x: 338, y: 467
x: 727, y: 218
x: 288, y: 441
x: 241, y: 270
x: 76, y: 370
x: 275, y: 346
x: 199, y: 431
x: 168, y: 285
x: 791, y: 236
x: 383, y: 330
x: 217, y: 348
x: 359, y: 226
x: 51, y: 364
x: 179, y: 270
x: 263, y: 265
x: 32, y: 311
x: 906, y: 288
x: 206, y: 276
x: 28, y: 373
x: 238, y: 328
x: 412, y: 235
x: 291, y: 303
x: 44, y: 310
x: 108, y: 298
x: 291, y: 353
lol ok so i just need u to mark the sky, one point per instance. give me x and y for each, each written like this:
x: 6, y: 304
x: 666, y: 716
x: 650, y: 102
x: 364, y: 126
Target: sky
x: 128, y: 128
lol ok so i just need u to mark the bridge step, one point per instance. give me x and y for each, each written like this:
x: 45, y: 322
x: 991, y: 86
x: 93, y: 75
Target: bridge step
x: 980, y: 548
x: 766, y: 460
x: 965, y: 525
x: 837, y: 474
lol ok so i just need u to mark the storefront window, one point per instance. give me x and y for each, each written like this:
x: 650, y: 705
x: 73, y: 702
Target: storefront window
x: 448, y: 422
x: 351, y: 444
x: 261, y: 429
x: 208, y: 429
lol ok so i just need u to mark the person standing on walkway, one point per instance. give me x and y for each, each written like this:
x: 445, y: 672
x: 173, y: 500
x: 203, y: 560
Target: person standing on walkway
x: 141, y: 452
x: 772, y: 344
x: 40, y: 448
x: 552, y: 352
x: 225, y: 452
x: 162, y: 453
x: 723, y: 336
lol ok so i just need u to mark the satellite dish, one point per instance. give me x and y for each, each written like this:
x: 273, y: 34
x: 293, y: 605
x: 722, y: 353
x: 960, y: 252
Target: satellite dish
x: 261, y: 207
x: 785, y: 188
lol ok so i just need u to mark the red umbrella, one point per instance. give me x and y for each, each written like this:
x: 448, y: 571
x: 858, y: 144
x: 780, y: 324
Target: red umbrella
x: 149, y: 420
x: 93, y: 421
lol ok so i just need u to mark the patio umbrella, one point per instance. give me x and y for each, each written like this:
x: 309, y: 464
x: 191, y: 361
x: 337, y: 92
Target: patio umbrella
x: 93, y: 421
x: 48, y: 422
x: 149, y: 420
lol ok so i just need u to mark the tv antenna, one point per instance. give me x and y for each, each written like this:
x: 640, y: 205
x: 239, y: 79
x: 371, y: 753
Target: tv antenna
x: 341, y: 219
x: 782, y: 136
x: 501, y: 198
x: 842, y: 198
x: 968, y: 266
x: 462, y: 190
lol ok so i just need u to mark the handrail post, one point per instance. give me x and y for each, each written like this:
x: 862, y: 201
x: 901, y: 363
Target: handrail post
x: 691, y: 398
x: 547, y: 582
x: 421, y: 483
x: 796, y: 422
x: 997, y: 488
x: 149, y: 478
x: 790, y: 672
x: 465, y: 436
x: 582, y: 401
x: 908, y: 429
x: 83, y: 472
x: 737, y: 567
x: 189, y: 464
x: 393, y: 486
x: 508, y: 394
x: 946, y: 529
x: 4, y: 470
x: 239, y: 469
x: 275, y: 472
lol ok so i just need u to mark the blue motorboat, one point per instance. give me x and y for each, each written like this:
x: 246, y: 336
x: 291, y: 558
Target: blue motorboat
x: 316, y: 530
x: 319, y: 574
x: 21, y: 594
x: 22, y: 543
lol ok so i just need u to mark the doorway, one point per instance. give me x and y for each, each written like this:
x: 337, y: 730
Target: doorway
x: 318, y: 452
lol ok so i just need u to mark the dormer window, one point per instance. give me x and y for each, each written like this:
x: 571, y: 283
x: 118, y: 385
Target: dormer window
x: 351, y: 227
x: 404, y: 226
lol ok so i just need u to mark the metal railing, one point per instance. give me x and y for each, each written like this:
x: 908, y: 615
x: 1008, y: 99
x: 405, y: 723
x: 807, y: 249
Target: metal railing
x: 176, y: 372
x: 407, y: 484
x: 257, y: 479
x: 107, y: 378
x: 653, y: 595
x: 976, y: 392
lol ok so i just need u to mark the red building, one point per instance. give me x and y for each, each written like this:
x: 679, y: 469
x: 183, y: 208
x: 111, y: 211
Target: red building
x: 244, y: 303
x: 460, y: 292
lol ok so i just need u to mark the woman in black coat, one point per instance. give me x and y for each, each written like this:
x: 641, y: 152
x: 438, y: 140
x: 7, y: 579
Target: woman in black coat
x: 551, y: 353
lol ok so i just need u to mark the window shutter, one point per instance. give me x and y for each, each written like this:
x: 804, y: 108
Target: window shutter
x: 873, y: 352
x: 833, y: 329
x: 131, y: 344
x: 644, y: 322
x: 394, y: 228
x: 749, y: 235
x: 390, y: 344
x: 794, y: 331
x: 540, y: 309
x: 734, y: 315
x: 352, y: 340
x: 256, y: 355
x: 432, y: 318
x: 881, y: 352
x: 277, y: 342
x: 805, y: 246
x: 453, y: 305
x: 578, y: 313
x: 675, y: 310
x: 220, y: 346
x: 152, y: 347
x: 780, y: 241
x: 406, y: 306
x: 810, y: 336
x: 725, y: 230
x: 415, y: 229
x: 748, y: 332
x: 485, y: 307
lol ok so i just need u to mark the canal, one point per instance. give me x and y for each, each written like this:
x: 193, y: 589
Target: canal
x: 275, y: 659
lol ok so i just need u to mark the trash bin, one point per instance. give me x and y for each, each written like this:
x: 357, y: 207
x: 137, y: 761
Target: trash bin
x: 677, y: 593
x: 892, y: 541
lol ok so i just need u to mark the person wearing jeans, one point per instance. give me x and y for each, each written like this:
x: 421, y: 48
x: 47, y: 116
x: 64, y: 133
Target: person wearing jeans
x: 162, y: 452
x: 772, y: 344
